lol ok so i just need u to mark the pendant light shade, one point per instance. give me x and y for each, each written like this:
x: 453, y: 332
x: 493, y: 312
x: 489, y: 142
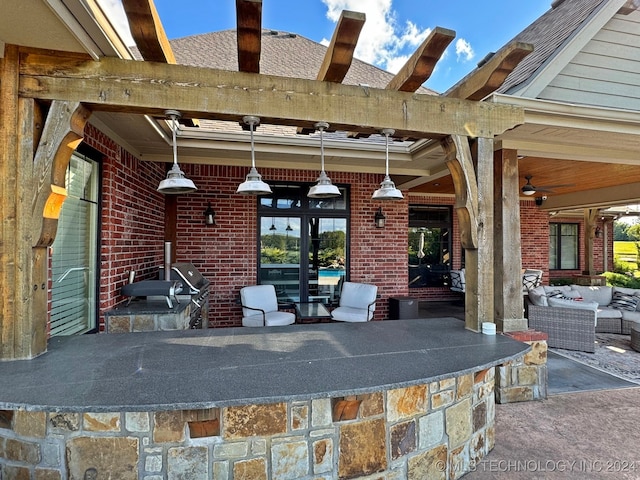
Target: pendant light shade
x: 175, y: 183
x: 253, y: 184
x: 323, y: 188
x: 387, y: 190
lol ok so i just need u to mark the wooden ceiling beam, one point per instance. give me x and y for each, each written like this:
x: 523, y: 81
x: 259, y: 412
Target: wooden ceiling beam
x: 249, y: 34
x: 490, y: 76
x: 420, y: 66
x: 148, y: 88
x: 339, y: 55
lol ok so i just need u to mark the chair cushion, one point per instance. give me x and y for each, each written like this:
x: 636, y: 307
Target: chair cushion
x: 601, y: 295
x: 258, y: 296
x: 566, y: 303
x: 349, y: 314
x: 277, y: 319
x: 538, y: 297
x: 358, y: 295
x: 606, y: 312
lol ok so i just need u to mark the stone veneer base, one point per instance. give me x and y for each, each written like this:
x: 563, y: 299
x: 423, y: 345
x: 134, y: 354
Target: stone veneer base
x: 400, y: 399
x: 436, y: 430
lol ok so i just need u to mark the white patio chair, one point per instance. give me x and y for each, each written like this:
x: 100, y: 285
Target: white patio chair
x: 531, y: 279
x: 260, y: 307
x: 357, y: 303
x: 458, y: 283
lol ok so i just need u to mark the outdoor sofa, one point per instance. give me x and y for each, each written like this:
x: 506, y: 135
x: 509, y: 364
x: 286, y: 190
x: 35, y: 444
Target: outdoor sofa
x: 572, y: 314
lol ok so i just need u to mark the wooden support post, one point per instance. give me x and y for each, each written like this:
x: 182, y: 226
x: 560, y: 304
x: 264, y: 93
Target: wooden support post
x: 33, y: 189
x: 485, y: 231
x: 508, y: 250
x: 22, y: 333
x: 474, y: 208
x: 590, y: 222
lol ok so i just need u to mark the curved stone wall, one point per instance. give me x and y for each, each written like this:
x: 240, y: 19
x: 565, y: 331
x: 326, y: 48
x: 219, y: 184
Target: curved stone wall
x: 435, y: 430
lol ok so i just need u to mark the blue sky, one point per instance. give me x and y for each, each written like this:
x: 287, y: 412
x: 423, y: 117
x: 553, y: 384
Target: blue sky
x: 392, y: 32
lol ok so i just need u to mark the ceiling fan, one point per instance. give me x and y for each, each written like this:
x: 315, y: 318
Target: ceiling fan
x: 529, y: 189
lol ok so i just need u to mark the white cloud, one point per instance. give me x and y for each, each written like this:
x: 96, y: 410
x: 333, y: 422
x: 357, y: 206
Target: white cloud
x: 464, y: 50
x: 382, y: 41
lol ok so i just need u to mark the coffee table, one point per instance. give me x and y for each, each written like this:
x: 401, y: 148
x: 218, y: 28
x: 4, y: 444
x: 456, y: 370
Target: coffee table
x: 311, y: 312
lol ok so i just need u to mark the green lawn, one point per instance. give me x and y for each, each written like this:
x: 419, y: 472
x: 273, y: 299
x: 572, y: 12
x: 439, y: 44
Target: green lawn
x: 626, y: 252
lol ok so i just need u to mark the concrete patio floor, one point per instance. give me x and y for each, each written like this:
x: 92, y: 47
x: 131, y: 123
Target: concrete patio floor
x: 583, y: 430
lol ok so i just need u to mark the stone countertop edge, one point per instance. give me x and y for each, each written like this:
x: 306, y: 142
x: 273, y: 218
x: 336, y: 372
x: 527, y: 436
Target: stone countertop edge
x: 515, y: 350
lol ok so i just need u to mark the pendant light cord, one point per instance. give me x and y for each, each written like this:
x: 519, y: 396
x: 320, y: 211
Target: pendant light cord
x: 253, y: 155
x: 175, y: 146
x: 321, y: 149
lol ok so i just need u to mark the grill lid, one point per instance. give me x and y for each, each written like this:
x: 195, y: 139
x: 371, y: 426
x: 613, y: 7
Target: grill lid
x: 190, y: 276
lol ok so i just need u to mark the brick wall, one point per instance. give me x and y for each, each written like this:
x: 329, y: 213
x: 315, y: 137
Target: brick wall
x: 132, y: 232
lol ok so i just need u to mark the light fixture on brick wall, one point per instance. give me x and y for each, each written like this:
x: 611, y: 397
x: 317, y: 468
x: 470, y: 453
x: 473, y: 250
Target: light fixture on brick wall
x: 209, y: 216
x: 379, y: 218
x: 175, y: 183
x: 324, y: 188
x: 253, y: 184
x: 387, y: 190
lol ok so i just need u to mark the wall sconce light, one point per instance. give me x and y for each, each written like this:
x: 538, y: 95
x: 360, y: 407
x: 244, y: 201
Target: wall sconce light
x: 209, y: 216
x: 380, y: 219
x: 598, y: 232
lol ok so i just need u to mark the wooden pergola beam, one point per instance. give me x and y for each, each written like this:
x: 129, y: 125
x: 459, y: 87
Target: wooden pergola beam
x: 147, y: 31
x: 339, y: 55
x: 149, y: 88
x: 249, y: 34
x: 419, y: 67
x: 149, y: 35
x: 490, y: 76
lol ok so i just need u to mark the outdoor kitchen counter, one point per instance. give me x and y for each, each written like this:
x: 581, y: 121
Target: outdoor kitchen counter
x: 192, y: 369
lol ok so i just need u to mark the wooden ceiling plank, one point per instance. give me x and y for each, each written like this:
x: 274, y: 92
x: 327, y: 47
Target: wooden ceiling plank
x: 419, y: 67
x: 249, y: 34
x: 149, y: 88
x: 147, y: 31
x: 490, y: 76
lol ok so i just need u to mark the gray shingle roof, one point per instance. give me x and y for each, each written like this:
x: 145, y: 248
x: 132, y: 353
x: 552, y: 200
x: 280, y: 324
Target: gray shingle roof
x: 283, y: 54
x: 547, y: 34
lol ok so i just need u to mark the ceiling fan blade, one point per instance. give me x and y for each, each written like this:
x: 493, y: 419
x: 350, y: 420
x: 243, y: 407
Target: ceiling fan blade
x: 556, y: 186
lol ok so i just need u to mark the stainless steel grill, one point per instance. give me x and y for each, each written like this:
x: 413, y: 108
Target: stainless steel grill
x: 195, y: 285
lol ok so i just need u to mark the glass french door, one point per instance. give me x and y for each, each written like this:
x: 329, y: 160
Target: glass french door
x: 303, y: 243
x: 74, y: 252
x: 304, y: 256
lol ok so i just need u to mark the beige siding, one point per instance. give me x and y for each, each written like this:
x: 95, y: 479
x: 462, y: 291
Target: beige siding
x: 606, y: 72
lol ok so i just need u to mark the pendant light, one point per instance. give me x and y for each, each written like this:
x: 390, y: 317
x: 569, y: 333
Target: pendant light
x: 175, y: 183
x: 253, y: 184
x: 387, y: 190
x: 324, y: 188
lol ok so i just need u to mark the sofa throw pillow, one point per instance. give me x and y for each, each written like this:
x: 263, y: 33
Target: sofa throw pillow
x: 565, y: 295
x: 623, y: 301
